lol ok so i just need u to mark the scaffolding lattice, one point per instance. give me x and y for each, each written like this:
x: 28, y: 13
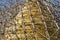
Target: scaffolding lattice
x: 30, y: 20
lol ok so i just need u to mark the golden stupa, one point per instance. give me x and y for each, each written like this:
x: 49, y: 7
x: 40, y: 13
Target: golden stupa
x: 34, y: 21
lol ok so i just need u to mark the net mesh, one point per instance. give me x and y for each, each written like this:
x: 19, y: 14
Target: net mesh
x: 30, y: 20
